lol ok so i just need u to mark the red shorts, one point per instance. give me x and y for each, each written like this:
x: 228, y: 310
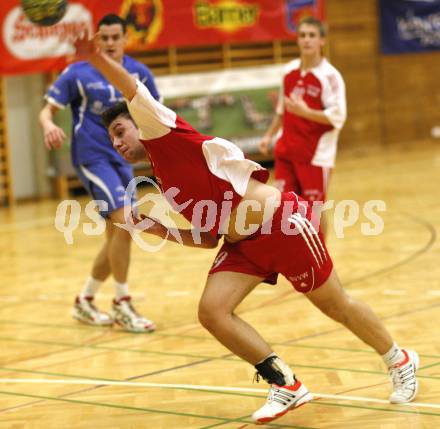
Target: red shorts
x: 308, y: 181
x: 293, y: 248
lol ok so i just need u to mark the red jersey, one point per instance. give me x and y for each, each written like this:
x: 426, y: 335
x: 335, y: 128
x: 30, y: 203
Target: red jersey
x: 322, y: 88
x: 197, y: 173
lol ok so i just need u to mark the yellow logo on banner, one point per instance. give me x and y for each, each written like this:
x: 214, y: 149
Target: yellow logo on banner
x: 144, y: 21
x: 226, y: 15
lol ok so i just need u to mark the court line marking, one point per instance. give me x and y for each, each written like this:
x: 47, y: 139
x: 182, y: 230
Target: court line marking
x: 228, y: 357
x: 182, y: 293
x: 202, y: 387
x: 124, y: 336
x: 58, y: 296
x: 224, y: 420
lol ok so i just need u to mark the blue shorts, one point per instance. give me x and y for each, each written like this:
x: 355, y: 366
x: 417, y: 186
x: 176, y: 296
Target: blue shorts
x: 107, y: 181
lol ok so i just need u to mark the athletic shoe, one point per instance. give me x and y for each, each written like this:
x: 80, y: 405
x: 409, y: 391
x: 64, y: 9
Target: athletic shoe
x: 280, y: 400
x: 403, y: 378
x: 85, y: 311
x: 125, y: 315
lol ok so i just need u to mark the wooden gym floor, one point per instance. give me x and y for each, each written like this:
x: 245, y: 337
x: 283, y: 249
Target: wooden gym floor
x: 57, y: 373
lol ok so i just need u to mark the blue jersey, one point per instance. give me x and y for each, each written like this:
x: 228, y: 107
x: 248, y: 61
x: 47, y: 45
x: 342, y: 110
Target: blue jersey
x: 89, y: 93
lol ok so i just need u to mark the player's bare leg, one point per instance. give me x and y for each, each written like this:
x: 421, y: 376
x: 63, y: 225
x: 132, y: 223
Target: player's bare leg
x: 358, y: 317
x: 224, y: 291
x: 119, y: 249
x: 334, y: 302
x: 84, y: 308
x: 101, y: 265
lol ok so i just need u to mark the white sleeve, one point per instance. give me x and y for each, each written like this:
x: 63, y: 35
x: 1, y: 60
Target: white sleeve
x: 153, y: 119
x: 227, y: 161
x: 333, y: 99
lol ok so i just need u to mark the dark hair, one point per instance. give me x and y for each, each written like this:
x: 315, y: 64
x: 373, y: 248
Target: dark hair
x: 109, y: 115
x: 111, y: 19
x: 311, y: 20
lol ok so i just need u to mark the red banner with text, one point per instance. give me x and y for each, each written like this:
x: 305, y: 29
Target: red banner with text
x: 28, y: 48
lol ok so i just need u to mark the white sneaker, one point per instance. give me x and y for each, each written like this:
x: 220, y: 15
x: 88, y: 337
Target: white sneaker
x: 280, y: 400
x: 85, y: 311
x: 403, y: 378
x: 126, y: 316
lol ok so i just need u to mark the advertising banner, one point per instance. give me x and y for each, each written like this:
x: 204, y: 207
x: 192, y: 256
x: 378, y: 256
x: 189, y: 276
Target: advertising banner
x: 409, y: 25
x: 28, y: 48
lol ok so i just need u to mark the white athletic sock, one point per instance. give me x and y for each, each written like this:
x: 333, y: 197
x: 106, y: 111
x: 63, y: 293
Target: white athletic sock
x: 121, y: 289
x: 393, y: 356
x: 91, y: 286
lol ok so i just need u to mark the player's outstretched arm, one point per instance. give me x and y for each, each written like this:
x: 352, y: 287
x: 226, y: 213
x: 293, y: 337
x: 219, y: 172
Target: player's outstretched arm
x: 88, y: 50
x: 177, y: 235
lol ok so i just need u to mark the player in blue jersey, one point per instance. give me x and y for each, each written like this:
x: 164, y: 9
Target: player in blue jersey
x: 103, y: 172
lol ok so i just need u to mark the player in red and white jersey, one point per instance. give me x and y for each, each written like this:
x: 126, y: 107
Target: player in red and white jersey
x: 265, y: 234
x: 311, y: 111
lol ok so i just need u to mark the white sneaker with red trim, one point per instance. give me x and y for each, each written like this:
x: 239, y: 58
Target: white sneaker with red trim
x: 280, y: 400
x: 125, y: 315
x: 403, y: 378
x: 86, y: 311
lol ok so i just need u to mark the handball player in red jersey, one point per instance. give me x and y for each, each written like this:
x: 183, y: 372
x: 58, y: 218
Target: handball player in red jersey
x: 265, y: 233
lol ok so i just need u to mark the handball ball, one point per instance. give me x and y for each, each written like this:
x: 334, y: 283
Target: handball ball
x: 44, y: 12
